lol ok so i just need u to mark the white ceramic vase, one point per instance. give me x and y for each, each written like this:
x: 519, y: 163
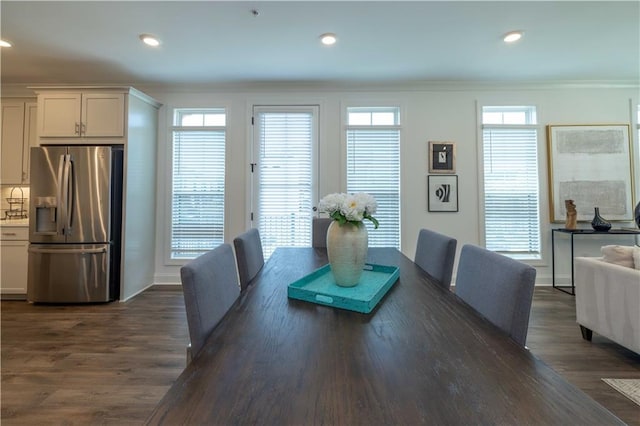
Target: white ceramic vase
x: 347, y: 246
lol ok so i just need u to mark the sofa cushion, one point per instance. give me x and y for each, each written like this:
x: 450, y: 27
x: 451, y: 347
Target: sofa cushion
x: 619, y: 255
x: 636, y: 256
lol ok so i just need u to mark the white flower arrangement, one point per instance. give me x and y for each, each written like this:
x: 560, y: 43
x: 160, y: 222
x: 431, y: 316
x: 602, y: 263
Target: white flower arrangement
x: 352, y: 208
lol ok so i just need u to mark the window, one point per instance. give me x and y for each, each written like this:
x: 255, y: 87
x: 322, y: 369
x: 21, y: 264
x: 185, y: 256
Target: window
x: 197, y: 191
x: 511, y: 198
x: 373, y: 166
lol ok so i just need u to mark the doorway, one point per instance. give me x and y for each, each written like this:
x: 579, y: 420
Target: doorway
x: 285, y: 174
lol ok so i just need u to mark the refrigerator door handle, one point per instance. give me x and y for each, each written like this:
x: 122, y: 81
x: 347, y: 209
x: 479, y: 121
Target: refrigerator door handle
x: 68, y: 251
x: 61, y: 216
x: 69, y: 190
x: 64, y: 189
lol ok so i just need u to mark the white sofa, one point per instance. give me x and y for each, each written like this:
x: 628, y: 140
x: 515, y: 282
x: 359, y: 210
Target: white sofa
x: 608, y: 301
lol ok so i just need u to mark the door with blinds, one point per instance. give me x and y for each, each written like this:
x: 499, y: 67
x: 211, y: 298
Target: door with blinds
x: 284, y: 185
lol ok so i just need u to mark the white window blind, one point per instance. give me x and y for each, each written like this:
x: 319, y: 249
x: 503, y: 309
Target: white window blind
x: 511, y: 196
x: 285, y: 204
x: 373, y: 166
x: 198, y: 185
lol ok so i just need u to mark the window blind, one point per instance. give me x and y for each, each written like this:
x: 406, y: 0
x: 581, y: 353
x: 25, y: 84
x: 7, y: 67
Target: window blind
x: 285, y: 179
x: 511, y: 199
x: 198, y: 187
x: 373, y: 166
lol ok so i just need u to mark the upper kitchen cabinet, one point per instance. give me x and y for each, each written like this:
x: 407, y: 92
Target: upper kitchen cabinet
x: 18, y: 135
x: 81, y: 114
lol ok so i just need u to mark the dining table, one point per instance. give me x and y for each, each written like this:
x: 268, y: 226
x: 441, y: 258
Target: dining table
x: 421, y: 356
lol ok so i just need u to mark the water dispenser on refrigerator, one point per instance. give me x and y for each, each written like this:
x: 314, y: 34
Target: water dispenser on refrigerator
x: 46, y: 213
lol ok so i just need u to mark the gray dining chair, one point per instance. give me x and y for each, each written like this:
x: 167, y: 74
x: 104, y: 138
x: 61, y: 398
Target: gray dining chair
x: 319, y: 231
x: 435, y: 254
x: 249, y: 255
x: 498, y: 287
x: 210, y: 286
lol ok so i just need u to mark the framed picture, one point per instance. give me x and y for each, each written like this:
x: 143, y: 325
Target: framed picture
x: 442, y: 157
x: 591, y: 165
x: 442, y: 193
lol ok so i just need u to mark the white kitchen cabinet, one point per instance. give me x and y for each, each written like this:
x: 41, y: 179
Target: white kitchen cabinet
x: 81, y: 115
x: 14, y: 258
x: 18, y: 136
x: 30, y: 138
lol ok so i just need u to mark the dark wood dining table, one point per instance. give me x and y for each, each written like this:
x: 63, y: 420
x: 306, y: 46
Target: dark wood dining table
x: 422, y: 356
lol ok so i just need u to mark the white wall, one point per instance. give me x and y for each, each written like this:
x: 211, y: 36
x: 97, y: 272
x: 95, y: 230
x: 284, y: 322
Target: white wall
x: 429, y: 112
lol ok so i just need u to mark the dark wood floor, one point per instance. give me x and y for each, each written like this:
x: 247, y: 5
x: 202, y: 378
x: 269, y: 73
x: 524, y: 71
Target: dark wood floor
x: 555, y: 338
x: 111, y: 364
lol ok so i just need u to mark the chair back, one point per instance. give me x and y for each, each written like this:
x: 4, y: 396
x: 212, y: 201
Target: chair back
x: 435, y: 254
x: 319, y: 231
x: 249, y: 255
x: 210, y: 287
x: 498, y: 287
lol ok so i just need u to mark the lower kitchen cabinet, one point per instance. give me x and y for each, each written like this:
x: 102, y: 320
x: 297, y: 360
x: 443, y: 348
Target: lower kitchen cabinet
x: 14, y: 257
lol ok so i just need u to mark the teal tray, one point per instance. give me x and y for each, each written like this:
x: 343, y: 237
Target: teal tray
x: 320, y: 287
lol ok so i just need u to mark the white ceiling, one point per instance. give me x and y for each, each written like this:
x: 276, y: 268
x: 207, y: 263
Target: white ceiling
x: 209, y: 42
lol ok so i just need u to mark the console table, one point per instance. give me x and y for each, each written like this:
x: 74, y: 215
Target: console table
x: 572, y: 233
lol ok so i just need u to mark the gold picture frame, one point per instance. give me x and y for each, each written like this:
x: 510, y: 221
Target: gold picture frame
x: 442, y: 157
x: 591, y: 165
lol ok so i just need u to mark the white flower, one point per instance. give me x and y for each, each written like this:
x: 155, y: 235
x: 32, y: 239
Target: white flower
x: 349, y: 207
x: 332, y: 203
x: 352, y: 209
x: 370, y: 206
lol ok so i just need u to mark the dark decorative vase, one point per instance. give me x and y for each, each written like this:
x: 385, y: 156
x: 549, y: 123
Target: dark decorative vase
x: 637, y: 215
x: 598, y: 223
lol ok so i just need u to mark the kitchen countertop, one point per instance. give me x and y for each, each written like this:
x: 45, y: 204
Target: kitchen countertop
x: 14, y: 223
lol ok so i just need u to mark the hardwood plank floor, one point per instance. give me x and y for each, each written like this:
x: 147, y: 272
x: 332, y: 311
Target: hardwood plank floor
x: 554, y: 337
x: 90, y: 364
x: 110, y: 364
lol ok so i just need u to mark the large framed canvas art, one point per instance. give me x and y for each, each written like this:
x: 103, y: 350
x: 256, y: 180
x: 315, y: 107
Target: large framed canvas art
x: 592, y: 165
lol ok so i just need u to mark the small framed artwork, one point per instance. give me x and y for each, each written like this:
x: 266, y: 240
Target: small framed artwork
x: 442, y: 157
x: 442, y: 193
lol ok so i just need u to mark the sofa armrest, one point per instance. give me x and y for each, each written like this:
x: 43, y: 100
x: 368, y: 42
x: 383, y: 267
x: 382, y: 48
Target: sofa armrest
x: 608, y: 300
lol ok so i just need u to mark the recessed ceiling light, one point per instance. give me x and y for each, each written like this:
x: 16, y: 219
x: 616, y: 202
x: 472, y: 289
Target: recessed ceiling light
x: 512, y: 36
x: 4, y: 43
x: 328, y: 39
x: 150, y: 40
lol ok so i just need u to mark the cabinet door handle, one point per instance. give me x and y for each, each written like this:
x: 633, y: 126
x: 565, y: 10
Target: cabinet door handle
x: 83, y: 128
x: 9, y: 234
x: 68, y: 251
x: 77, y: 128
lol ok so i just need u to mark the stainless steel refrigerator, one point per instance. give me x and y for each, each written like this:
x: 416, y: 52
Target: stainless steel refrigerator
x: 75, y: 224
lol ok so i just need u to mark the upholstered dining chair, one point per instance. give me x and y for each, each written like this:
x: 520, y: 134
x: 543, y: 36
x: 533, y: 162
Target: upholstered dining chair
x: 249, y: 255
x: 435, y: 253
x: 498, y: 287
x: 210, y: 286
x: 319, y: 231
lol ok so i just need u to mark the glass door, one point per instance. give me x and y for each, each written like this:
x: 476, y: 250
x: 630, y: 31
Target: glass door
x: 284, y: 185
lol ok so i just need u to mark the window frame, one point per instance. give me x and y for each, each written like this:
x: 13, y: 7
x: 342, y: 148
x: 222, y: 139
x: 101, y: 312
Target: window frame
x: 171, y: 126
x: 381, y: 106
x: 529, y: 258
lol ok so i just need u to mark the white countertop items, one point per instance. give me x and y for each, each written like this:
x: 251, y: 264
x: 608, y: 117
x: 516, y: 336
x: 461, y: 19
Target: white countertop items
x: 14, y: 222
